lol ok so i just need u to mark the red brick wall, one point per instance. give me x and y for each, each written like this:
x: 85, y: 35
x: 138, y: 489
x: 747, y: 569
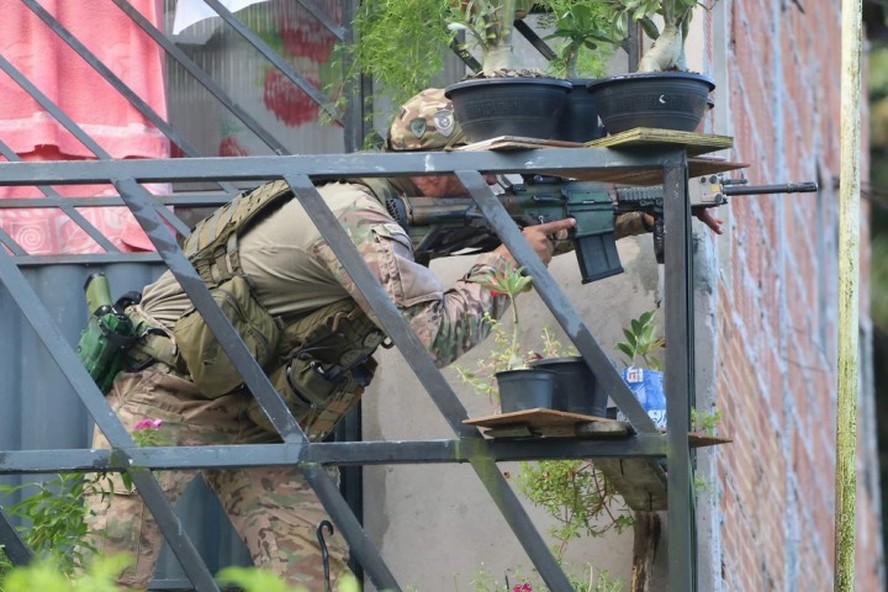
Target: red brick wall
x: 777, y: 308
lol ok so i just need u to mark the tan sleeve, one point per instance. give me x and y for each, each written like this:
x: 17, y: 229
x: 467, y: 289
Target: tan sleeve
x: 449, y: 321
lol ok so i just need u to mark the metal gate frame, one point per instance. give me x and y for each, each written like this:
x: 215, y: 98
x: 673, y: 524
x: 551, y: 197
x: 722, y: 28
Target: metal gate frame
x: 301, y: 173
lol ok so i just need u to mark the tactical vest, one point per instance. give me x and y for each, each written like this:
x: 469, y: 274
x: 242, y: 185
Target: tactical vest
x: 319, y: 363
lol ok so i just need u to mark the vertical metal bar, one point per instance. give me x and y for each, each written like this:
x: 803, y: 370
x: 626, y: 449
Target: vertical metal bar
x: 440, y: 391
x: 554, y: 297
x: 679, y: 370
x: 13, y: 545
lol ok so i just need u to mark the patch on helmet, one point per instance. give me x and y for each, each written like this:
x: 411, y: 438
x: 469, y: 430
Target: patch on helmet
x: 443, y: 119
x: 418, y: 126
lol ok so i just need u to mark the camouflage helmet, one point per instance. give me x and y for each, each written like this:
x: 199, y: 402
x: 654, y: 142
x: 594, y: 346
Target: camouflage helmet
x: 425, y: 122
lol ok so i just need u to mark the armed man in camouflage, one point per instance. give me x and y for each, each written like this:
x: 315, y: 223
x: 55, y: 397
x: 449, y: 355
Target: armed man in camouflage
x: 316, y: 337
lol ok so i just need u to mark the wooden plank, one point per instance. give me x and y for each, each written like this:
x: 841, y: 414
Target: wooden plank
x: 700, y: 439
x: 641, y: 482
x: 650, y: 138
x: 516, y: 143
x: 548, y: 423
x: 539, y: 417
x: 697, y: 167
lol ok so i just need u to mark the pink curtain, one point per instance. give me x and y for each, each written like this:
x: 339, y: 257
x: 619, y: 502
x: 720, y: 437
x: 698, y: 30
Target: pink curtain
x: 56, y: 69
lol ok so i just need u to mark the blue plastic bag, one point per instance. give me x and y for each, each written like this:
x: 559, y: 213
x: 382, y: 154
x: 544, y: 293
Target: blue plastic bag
x: 647, y: 386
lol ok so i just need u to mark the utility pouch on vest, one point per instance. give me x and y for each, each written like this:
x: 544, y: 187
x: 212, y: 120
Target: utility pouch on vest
x: 209, y: 366
x: 326, y: 363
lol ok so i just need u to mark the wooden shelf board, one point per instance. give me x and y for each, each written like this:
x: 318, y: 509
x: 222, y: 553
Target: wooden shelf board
x: 646, y: 138
x: 548, y: 423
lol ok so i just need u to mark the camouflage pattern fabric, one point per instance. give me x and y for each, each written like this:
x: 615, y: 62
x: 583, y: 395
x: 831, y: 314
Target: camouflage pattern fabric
x: 425, y: 122
x: 273, y: 509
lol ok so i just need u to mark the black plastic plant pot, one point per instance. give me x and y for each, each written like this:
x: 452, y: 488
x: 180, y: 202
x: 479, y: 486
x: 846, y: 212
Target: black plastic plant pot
x: 576, y: 388
x: 579, y: 121
x: 664, y: 100
x: 526, y: 388
x: 528, y: 107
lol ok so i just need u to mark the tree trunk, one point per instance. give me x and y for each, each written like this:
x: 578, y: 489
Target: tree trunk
x: 646, y: 527
x: 666, y: 52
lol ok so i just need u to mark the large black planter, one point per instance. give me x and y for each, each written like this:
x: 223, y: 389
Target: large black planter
x: 579, y: 120
x: 522, y: 106
x: 665, y: 100
x: 525, y: 388
x: 576, y: 389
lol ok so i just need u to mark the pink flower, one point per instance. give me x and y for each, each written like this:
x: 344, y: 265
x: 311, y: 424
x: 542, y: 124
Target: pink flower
x: 523, y: 588
x: 148, y: 424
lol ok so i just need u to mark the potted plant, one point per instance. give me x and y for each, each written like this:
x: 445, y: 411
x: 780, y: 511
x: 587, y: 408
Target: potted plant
x: 662, y: 93
x: 395, y: 36
x: 644, y: 371
x: 577, y: 389
x: 520, y: 386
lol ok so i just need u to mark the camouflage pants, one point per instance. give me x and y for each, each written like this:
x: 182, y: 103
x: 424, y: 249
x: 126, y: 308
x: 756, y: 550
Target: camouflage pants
x: 273, y: 509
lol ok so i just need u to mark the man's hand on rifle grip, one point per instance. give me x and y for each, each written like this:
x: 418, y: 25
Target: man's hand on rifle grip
x: 541, y: 238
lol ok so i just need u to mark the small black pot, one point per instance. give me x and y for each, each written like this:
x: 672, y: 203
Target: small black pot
x: 579, y: 121
x: 576, y: 389
x: 526, y: 388
x: 665, y: 100
x: 489, y: 107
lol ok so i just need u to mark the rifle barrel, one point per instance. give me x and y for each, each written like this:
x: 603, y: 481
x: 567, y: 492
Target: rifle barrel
x: 808, y: 187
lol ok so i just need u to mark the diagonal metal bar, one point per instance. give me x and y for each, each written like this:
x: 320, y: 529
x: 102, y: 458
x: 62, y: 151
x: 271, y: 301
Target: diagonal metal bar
x: 119, y: 85
x: 442, y: 394
x: 535, y: 40
x: 679, y: 372
x: 393, y: 322
x: 359, y: 543
x: 280, y: 63
x: 59, y: 202
x: 554, y: 297
x: 76, y: 131
x: 203, y: 78
x: 148, y: 487
x: 321, y: 15
x: 13, y: 545
x: 250, y: 370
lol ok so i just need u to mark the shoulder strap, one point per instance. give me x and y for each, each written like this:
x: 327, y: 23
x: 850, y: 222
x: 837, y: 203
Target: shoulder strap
x: 212, y: 247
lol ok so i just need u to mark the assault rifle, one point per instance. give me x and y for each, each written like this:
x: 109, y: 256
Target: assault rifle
x: 439, y: 227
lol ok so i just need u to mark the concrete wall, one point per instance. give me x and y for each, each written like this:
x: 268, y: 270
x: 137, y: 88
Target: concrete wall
x: 436, y: 524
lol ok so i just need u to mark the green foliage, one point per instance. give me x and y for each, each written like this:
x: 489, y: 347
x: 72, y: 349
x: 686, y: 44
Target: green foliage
x: 55, y: 517
x: 642, y: 342
x: 589, y: 35
x: 253, y: 579
x: 510, y: 283
x: 577, y: 495
x: 99, y: 575
x: 704, y: 421
x: 402, y: 43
